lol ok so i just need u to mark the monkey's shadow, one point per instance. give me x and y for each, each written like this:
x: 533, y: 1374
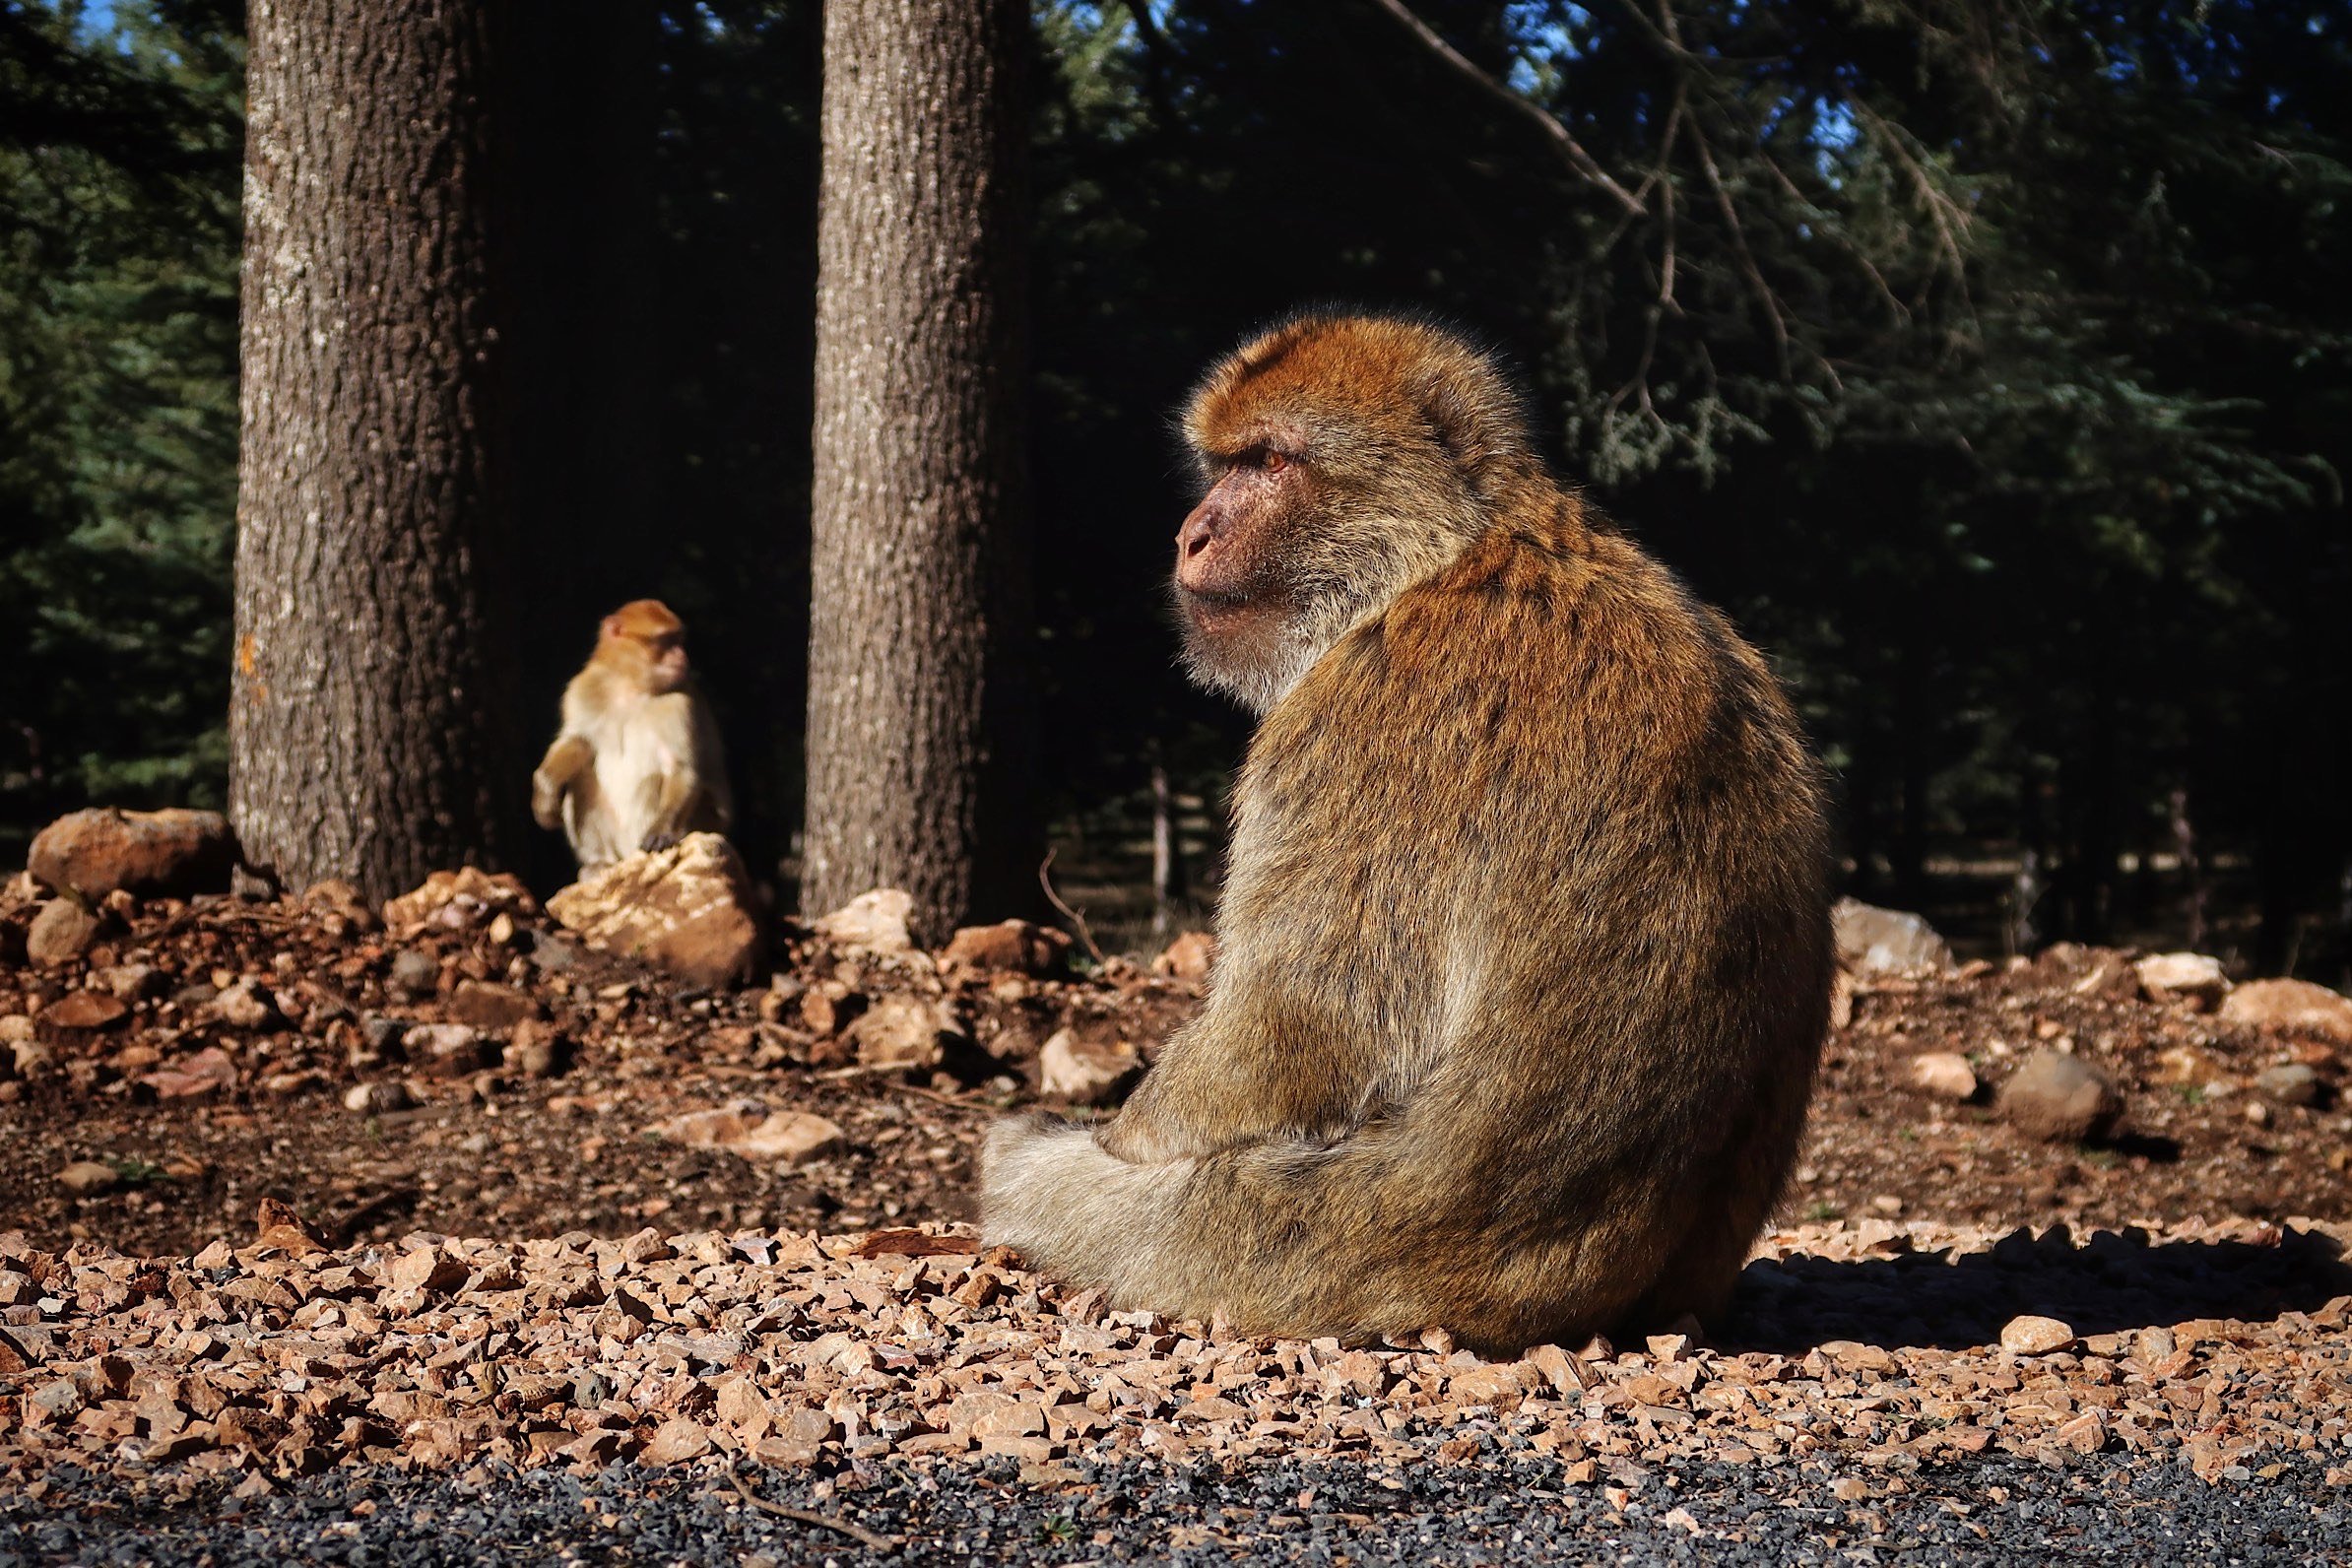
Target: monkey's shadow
x: 2112, y: 1281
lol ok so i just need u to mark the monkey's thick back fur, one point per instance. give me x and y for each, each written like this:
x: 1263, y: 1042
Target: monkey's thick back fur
x: 1523, y: 949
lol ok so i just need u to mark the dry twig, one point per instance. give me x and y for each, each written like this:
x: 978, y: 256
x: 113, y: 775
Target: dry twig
x: 1586, y: 165
x: 1077, y: 920
x: 805, y: 1515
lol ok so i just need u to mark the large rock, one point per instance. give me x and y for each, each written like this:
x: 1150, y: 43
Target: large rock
x: 2293, y: 1006
x: 1871, y: 940
x: 687, y: 909
x: 2191, y: 978
x: 172, y: 854
x: 2059, y: 1099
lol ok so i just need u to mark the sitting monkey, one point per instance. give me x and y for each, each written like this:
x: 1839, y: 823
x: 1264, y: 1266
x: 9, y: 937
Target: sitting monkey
x: 636, y: 766
x: 1524, y: 949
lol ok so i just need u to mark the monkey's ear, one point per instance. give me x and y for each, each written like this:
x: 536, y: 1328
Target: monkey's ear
x: 609, y: 627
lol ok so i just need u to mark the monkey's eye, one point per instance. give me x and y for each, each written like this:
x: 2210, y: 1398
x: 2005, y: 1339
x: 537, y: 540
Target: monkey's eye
x: 1273, y: 462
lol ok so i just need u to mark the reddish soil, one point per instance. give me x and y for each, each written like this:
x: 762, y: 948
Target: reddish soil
x: 200, y: 1117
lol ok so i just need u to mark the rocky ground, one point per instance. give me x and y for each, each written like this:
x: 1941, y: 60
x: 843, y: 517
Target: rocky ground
x: 349, y: 1219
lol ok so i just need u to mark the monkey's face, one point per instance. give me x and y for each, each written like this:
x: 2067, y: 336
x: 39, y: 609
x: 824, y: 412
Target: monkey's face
x: 666, y: 664
x: 1237, y: 565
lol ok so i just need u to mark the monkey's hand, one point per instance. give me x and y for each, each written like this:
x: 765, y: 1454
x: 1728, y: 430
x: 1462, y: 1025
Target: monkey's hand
x: 547, y: 800
x: 659, y: 839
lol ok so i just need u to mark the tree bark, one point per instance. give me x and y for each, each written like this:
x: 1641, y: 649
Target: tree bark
x: 370, y: 718
x: 920, y: 730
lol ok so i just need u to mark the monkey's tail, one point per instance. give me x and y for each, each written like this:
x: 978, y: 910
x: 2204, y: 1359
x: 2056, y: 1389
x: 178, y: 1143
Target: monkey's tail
x: 1284, y: 1238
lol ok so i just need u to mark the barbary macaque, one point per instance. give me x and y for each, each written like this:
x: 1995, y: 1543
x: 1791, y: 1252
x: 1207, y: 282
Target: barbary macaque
x: 636, y: 766
x: 1524, y: 957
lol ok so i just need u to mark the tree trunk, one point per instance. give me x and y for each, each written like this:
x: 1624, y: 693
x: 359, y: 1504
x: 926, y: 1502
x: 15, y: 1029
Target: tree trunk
x: 369, y: 719
x: 920, y: 723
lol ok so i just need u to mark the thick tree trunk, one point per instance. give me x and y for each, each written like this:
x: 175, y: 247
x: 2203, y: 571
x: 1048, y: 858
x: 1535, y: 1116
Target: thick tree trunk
x: 368, y: 722
x: 919, y: 724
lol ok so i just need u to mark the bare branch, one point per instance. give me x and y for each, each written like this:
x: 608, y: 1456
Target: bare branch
x: 1587, y: 167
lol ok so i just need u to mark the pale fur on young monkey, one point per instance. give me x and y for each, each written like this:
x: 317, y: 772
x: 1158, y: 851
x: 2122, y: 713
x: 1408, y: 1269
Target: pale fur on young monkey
x: 1524, y: 944
x: 637, y: 764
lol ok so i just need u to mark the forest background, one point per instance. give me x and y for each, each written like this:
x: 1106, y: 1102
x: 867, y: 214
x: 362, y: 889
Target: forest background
x: 1987, y: 358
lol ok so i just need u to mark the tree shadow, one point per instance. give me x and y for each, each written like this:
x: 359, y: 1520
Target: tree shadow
x: 2110, y: 1282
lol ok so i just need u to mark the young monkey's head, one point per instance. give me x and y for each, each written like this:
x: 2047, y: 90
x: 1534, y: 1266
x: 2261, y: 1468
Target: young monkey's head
x: 1345, y: 458
x: 645, y: 641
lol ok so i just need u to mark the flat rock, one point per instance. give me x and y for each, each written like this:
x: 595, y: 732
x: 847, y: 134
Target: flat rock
x: 748, y: 1128
x: 169, y: 854
x: 1876, y: 940
x: 209, y: 1072
x: 687, y: 909
x: 2194, y: 979
x: 61, y: 931
x: 84, y: 1010
x: 874, y: 922
x: 1944, y: 1074
x: 787, y: 1137
x: 2292, y: 1007
x: 2058, y: 1098
x: 675, y: 1441
x: 88, y: 1176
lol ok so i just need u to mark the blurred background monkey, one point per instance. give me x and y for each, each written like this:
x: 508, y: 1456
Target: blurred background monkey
x: 1524, y: 944
x: 636, y: 766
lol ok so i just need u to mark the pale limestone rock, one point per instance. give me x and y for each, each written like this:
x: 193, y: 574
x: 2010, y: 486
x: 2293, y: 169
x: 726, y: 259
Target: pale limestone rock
x: 1945, y: 1074
x: 872, y: 922
x: 1873, y: 941
x: 2191, y: 978
x: 1085, y: 1072
x: 2292, y: 1007
x: 2030, y: 1335
x: 687, y: 909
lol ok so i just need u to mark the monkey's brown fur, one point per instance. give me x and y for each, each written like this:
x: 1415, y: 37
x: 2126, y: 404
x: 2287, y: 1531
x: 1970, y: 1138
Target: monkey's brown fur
x: 1524, y: 954
x: 637, y: 764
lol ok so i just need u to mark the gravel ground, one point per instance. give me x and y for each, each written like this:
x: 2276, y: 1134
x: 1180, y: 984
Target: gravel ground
x: 1985, y: 1512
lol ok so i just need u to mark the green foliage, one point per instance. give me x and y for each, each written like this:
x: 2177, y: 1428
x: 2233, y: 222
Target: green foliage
x: 118, y: 244
x: 1987, y: 356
